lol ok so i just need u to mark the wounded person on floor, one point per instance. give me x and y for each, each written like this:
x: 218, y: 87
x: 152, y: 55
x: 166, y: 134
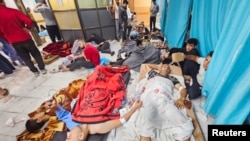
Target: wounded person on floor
x: 129, y: 46
x: 101, y: 44
x: 95, y: 110
x: 162, y: 116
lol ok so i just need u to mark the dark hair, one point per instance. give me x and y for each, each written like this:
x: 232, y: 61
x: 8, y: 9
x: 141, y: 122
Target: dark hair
x: 125, y: 2
x: 193, y: 41
x: 210, y: 53
x: 1, y: 1
x: 33, y: 126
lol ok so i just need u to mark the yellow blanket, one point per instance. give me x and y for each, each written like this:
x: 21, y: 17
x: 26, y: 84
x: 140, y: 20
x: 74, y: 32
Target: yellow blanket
x: 62, y: 97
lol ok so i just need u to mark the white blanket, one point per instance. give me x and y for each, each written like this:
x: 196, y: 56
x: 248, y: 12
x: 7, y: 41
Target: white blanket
x: 159, y: 118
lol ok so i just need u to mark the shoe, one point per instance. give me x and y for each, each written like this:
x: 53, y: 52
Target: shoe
x: 112, y: 53
x: 44, y: 71
x: 36, y: 74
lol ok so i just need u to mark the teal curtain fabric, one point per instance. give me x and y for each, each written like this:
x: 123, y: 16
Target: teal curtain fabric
x: 224, y: 26
x: 164, y: 8
x: 176, y: 23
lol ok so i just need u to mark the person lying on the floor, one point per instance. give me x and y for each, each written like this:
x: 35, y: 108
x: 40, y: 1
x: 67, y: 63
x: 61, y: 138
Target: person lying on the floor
x: 125, y: 52
x: 196, y: 73
x: 89, y: 58
x: 102, y: 44
x: 81, y: 132
x: 102, y: 94
x: 161, y: 118
x: 63, y: 97
x: 44, y: 112
x: 164, y: 70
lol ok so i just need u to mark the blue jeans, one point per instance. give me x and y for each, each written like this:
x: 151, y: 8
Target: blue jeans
x: 5, y: 65
x: 117, y: 29
x: 11, y: 52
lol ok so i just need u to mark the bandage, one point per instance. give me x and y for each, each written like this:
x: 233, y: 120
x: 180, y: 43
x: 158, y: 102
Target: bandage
x: 123, y: 121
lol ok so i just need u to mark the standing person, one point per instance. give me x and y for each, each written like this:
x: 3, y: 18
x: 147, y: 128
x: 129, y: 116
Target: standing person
x: 116, y: 9
x: 16, y: 32
x: 123, y: 20
x: 154, y: 9
x: 102, y: 44
x: 50, y: 20
x: 32, y: 18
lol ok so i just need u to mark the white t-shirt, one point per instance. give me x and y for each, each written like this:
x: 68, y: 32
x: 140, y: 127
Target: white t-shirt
x: 202, y: 71
x: 116, y: 12
x: 129, y: 13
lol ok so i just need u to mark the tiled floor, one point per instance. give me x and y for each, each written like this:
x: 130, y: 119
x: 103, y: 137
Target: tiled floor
x: 27, y: 92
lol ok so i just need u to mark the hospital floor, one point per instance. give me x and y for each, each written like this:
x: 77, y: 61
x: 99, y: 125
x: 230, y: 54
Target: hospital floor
x: 27, y: 92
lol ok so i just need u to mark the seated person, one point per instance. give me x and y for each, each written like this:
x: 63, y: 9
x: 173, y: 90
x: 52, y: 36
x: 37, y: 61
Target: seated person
x: 161, y: 112
x: 102, y: 44
x: 130, y: 46
x: 196, y: 73
x: 190, y: 49
x: 76, y: 52
x: 158, y: 41
x: 89, y: 58
x: 132, y: 22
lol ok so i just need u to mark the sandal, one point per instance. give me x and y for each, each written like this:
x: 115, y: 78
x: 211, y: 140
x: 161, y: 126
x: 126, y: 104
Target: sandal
x: 3, y: 93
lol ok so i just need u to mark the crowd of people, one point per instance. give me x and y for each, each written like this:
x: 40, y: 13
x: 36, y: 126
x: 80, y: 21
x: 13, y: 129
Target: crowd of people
x: 157, y: 100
